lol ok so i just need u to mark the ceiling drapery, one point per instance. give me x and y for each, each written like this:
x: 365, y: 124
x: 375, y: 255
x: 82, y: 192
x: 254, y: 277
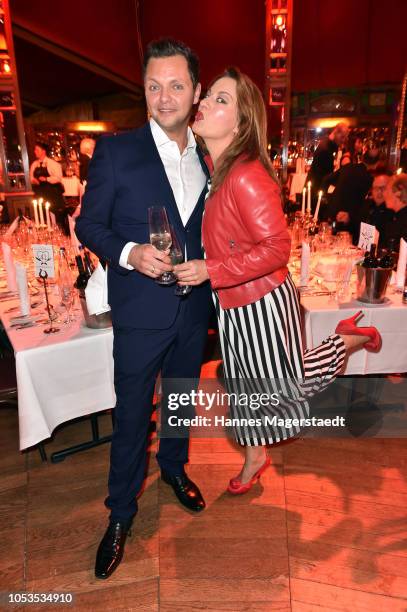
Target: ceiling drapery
x: 335, y: 44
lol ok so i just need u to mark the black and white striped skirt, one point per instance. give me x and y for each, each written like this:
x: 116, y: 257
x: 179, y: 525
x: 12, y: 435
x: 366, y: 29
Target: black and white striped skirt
x: 263, y: 353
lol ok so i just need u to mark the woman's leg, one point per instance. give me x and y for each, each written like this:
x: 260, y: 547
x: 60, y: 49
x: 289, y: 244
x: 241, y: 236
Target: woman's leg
x: 255, y: 456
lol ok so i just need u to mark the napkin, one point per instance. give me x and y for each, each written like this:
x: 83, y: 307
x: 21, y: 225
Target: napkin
x: 96, y: 291
x: 22, y: 285
x: 10, y: 268
x: 12, y: 228
x: 305, y: 258
x: 401, y: 265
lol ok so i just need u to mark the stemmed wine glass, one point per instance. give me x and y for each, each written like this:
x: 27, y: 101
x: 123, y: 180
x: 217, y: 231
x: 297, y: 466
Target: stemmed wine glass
x: 176, y: 258
x: 160, y: 238
x: 67, y: 295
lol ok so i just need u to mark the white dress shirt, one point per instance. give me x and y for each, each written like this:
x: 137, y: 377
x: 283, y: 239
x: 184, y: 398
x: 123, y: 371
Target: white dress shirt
x: 184, y: 173
x: 54, y: 169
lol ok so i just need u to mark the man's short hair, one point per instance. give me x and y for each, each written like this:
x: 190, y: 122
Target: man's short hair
x: 43, y: 145
x: 87, y: 146
x: 168, y: 47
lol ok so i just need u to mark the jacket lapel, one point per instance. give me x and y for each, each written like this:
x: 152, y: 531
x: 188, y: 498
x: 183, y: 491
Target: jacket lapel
x: 201, y: 200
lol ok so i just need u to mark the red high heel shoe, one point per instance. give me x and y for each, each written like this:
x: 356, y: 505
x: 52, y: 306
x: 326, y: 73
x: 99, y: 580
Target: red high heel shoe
x: 236, y: 487
x: 347, y: 327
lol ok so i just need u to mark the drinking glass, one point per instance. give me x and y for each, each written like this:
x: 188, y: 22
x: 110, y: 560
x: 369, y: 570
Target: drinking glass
x: 67, y: 294
x: 343, y: 241
x: 160, y: 238
x: 178, y: 257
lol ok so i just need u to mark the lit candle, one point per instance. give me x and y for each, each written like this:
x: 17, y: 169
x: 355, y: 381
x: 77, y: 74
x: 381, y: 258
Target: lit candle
x: 36, y: 220
x: 303, y: 202
x: 309, y: 197
x: 47, y: 206
x: 399, y: 170
x: 318, y: 205
x: 42, y: 223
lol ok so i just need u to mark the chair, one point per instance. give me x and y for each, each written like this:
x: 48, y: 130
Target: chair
x: 8, y: 381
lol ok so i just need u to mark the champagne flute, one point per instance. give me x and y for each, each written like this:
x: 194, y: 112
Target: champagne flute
x: 176, y: 258
x: 160, y: 237
x: 67, y: 294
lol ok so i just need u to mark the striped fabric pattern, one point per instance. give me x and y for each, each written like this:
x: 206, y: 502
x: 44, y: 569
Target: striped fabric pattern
x: 263, y: 353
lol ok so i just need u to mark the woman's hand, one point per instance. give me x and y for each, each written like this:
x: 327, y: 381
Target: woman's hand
x: 192, y: 272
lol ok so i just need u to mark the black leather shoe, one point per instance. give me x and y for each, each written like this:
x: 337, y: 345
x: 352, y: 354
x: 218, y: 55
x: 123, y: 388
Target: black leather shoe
x: 111, y: 548
x: 187, y: 492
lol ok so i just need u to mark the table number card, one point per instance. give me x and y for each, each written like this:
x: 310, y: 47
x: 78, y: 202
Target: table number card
x: 44, y: 260
x: 368, y: 236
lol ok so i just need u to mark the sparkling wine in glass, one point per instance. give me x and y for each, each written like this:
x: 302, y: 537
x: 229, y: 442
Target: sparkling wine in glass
x: 160, y: 237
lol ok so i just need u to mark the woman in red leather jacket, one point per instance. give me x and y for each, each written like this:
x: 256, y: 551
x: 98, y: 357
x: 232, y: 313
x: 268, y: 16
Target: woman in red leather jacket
x: 247, y: 248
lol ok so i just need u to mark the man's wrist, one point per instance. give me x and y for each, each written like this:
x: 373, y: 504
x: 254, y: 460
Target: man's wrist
x: 125, y: 255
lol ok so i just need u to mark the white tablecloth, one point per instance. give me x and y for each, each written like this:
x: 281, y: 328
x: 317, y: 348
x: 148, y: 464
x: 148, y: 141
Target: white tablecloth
x: 322, y: 316
x: 59, y: 376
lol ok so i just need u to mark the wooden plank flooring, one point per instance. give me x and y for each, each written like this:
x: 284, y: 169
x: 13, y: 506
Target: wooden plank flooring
x: 324, y: 530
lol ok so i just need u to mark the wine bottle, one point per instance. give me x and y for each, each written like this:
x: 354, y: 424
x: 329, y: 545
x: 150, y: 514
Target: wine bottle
x: 392, y: 249
x: 83, y: 276
x: 370, y: 260
x: 385, y: 259
x: 89, y: 267
x: 64, y: 271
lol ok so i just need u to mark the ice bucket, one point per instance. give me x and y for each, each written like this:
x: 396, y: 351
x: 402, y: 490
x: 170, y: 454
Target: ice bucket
x: 372, y: 284
x: 100, y: 321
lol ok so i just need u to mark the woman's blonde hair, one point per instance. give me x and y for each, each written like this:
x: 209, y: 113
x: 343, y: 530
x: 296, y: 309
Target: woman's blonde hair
x: 251, y: 138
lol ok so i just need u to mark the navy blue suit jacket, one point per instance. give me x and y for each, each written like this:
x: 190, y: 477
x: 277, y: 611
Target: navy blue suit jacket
x: 126, y: 176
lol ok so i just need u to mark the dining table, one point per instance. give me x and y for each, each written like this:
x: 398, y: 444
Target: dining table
x: 60, y: 376
x: 321, y: 314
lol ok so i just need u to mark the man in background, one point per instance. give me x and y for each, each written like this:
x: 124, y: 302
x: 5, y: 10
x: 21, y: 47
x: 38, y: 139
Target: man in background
x: 324, y: 156
x: 86, y: 149
x: 377, y: 213
x: 347, y: 206
x: 46, y: 181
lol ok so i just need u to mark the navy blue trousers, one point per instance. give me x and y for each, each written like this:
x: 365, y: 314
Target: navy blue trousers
x: 139, y: 355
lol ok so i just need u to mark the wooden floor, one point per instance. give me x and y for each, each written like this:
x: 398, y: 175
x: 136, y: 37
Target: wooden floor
x: 324, y: 530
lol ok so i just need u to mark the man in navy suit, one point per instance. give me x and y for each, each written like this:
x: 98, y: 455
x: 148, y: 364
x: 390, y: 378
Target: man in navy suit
x: 154, y: 330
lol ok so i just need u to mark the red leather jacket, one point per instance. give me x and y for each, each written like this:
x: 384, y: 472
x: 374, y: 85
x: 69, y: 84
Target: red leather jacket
x: 245, y: 236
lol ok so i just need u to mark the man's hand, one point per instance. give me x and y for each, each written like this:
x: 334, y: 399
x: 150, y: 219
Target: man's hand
x: 42, y: 179
x: 35, y: 181
x: 149, y: 261
x: 192, y: 272
x: 342, y: 217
